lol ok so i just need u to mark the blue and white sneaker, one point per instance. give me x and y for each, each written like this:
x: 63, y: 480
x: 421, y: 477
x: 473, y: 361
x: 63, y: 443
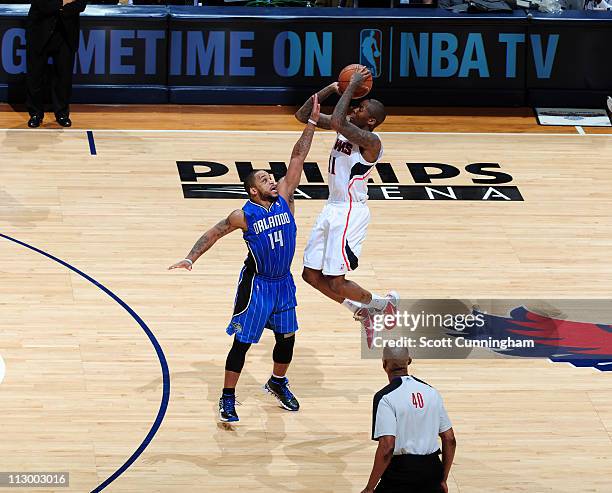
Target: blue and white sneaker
x: 227, y: 408
x: 282, y: 393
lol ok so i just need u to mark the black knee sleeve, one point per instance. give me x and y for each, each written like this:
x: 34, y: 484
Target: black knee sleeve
x: 236, y: 356
x: 283, y: 349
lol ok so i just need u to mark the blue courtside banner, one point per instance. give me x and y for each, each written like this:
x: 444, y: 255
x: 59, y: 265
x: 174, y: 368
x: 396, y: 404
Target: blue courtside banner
x: 262, y: 55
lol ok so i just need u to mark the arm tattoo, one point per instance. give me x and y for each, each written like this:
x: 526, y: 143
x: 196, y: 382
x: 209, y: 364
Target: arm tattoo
x: 291, y: 180
x: 363, y: 138
x: 342, y: 107
x: 302, y: 146
x: 200, y: 247
x: 324, y: 122
x: 304, y: 112
x: 209, y: 238
x: 223, y: 227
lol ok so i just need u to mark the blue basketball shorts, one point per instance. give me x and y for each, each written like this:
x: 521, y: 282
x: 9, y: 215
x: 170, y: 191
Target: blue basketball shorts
x: 260, y: 303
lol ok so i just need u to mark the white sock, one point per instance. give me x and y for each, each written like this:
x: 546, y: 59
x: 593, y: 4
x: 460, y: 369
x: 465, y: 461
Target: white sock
x: 378, y: 302
x: 353, y: 306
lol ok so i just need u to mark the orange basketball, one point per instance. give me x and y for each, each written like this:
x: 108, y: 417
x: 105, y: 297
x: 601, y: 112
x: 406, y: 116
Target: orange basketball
x: 345, y: 77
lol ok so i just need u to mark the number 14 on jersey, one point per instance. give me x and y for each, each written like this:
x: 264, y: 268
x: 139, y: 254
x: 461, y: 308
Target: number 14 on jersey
x: 276, y: 237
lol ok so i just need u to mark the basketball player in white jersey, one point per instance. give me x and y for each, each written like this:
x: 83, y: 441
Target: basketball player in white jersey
x: 335, y: 242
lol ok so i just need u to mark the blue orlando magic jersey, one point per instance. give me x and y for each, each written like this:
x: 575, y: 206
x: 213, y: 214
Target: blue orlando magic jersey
x: 270, y: 238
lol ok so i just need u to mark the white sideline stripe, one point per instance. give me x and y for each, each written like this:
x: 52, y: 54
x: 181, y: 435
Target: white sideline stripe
x: 122, y: 130
x: 580, y: 130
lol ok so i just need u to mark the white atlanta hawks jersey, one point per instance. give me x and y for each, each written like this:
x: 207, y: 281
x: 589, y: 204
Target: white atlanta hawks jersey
x: 348, y: 172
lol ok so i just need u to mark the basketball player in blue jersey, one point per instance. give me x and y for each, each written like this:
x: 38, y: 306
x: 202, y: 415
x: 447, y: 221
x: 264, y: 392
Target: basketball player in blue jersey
x: 266, y: 291
x: 335, y: 243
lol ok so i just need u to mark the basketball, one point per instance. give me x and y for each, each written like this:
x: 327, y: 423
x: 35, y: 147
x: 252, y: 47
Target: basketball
x: 345, y: 77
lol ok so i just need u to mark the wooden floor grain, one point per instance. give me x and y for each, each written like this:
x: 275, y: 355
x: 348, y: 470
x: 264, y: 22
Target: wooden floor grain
x: 83, y: 383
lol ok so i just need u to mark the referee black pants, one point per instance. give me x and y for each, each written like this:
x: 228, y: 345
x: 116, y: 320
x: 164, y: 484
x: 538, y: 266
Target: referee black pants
x: 412, y: 474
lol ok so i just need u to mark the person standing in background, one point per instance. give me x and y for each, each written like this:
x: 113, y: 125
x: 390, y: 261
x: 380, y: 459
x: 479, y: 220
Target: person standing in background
x: 52, y: 30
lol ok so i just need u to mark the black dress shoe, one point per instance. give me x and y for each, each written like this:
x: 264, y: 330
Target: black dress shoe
x: 64, y: 121
x: 35, y: 121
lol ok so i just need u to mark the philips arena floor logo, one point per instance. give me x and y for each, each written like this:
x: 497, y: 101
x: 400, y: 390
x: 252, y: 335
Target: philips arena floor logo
x: 429, y: 181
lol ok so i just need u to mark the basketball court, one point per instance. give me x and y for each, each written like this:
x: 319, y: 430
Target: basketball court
x: 114, y: 365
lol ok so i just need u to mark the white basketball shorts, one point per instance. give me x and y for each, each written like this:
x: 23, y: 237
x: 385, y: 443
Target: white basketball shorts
x: 335, y: 242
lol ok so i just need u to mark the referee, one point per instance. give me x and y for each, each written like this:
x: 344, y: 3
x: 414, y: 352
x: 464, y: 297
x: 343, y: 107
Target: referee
x: 407, y: 419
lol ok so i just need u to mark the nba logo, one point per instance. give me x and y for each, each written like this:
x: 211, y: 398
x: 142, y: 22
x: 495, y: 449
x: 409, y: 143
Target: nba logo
x: 370, y: 46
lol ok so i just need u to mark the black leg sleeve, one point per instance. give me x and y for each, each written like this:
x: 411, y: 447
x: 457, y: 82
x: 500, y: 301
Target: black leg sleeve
x: 283, y: 349
x: 236, y: 356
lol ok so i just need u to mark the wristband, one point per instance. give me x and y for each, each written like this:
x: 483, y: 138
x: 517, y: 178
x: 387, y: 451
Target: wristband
x: 310, y: 120
x: 190, y: 261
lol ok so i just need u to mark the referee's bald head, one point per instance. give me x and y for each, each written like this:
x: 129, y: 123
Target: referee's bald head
x: 396, y: 358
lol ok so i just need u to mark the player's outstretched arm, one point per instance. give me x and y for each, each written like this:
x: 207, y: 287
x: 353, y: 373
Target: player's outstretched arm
x: 363, y: 138
x: 324, y: 120
x: 234, y: 221
x: 287, y: 185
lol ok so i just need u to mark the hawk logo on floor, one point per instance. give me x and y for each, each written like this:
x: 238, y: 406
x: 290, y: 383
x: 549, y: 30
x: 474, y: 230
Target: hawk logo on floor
x: 579, y: 343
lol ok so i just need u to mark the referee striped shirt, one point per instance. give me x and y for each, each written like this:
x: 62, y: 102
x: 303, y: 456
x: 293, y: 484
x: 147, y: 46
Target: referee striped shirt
x: 413, y: 412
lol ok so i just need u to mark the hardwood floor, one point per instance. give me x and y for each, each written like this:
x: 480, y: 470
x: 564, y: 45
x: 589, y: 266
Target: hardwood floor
x: 84, y: 382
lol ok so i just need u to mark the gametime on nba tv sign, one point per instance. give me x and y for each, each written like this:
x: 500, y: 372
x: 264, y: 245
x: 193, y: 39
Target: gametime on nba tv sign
x: 484, y: 55
x: 408, y: 181
x: 192, y: 55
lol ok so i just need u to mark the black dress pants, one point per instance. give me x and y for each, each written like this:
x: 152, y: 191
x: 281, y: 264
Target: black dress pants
x: 412, y: 474
x: 59, y: 75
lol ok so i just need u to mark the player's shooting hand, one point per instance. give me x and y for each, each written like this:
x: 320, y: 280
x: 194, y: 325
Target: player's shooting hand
x: 360, y: 75
x: 316, y: 109
x: 336, y: 87
x: 183, y: 264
